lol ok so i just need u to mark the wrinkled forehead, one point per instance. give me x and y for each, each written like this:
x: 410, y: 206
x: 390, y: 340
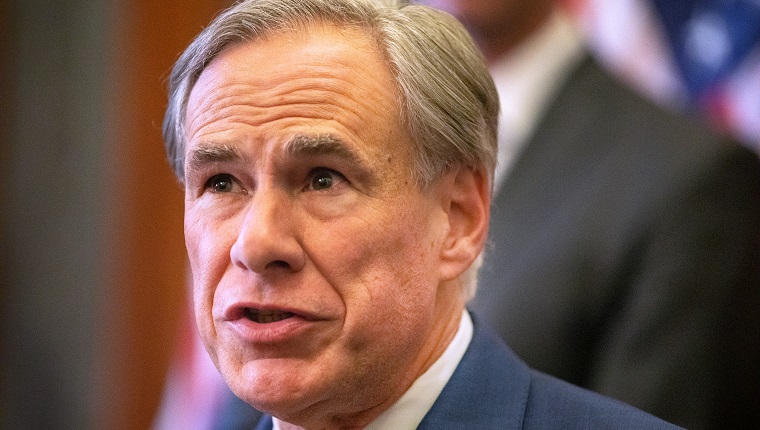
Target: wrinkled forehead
x: 319, y: 80
x: 296, y: 30
x: 335, y: 62
x: 297, y: 38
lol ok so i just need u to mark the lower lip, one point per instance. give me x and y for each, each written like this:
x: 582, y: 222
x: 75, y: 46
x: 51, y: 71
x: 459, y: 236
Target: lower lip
x: 270, y: 333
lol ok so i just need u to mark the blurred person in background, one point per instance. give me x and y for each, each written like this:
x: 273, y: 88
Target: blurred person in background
x: 700, y: 56
x: 623, y: 251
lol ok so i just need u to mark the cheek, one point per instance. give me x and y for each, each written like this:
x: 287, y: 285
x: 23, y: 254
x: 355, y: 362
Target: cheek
x: 198, y: 248
x: 388, y: 267
x: 412, y: 260
x: 208, y: 253
x: 208, y: 241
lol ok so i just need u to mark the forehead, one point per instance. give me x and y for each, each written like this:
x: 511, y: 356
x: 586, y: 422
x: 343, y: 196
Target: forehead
x: 348, y: 48
x: 320, y: 72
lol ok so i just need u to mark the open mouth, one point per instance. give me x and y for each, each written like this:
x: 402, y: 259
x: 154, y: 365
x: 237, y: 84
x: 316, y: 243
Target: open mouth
x: 266, y: 317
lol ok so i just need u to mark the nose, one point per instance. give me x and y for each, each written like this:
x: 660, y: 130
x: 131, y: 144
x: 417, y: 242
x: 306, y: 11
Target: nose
x: 267, y: 241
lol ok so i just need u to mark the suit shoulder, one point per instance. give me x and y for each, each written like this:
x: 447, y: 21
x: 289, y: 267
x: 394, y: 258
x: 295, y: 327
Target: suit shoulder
x: 556, y: 404
x: 620, y: 114
x: 614, y: 133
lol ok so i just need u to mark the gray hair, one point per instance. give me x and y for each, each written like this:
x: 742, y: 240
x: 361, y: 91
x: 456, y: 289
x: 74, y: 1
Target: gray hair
x: 447, y: 97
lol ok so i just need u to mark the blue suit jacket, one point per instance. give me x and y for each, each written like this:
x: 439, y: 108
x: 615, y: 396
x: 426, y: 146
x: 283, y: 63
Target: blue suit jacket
x: 493, y: 389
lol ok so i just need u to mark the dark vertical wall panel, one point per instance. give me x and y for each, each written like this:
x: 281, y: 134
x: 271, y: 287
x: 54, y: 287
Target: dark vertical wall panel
x: 5, y: 113
x: 52, y: 177
x: 92, y: 264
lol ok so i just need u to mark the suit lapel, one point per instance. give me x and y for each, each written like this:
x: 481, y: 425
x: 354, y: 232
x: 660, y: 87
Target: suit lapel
x: 488, y: 390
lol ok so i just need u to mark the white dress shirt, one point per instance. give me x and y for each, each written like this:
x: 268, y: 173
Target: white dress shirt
x: 411, y: 408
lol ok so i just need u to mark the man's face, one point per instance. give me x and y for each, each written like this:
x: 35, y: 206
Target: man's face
x: 318, y: 281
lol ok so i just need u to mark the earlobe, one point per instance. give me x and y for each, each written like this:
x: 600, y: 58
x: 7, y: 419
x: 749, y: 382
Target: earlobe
x: 467, y: 196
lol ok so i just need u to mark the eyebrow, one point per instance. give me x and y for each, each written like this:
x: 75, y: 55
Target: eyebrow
x: 300, y: 145
x: 322, y: 144
x: 210, y: 153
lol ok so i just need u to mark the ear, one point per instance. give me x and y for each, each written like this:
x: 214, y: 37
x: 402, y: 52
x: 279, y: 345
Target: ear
x: 467, y: 197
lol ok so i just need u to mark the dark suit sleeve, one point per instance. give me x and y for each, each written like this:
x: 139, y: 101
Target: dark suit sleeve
x: 684, y: 341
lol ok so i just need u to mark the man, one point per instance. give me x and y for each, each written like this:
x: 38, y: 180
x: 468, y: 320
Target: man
x: 623, y: 250
x: 337, y: 159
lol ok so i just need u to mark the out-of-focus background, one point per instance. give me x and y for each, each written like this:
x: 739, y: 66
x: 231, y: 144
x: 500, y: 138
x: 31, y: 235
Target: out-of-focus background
x: 92, y: 257
x: 93, y: 308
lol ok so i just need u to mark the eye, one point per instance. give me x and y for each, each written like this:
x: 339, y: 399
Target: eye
x: 222, y: 183
x: 322, y: 179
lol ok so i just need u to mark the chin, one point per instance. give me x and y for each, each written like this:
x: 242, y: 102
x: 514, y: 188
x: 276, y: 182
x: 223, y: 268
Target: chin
x: 270, y: 387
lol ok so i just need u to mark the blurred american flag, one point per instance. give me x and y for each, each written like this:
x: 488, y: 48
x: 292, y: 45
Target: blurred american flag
x: 697, y: 55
